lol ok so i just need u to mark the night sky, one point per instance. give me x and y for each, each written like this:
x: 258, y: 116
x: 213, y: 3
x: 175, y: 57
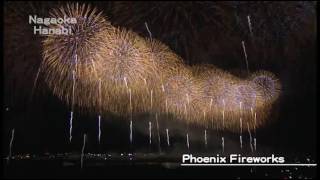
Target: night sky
x: 283, y: 42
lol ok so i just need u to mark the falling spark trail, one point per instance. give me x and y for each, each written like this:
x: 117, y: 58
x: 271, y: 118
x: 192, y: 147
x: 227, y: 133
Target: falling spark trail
x: 145, y: 23
x: 245, y: 55
x: 71, y: 113
x: 222, y: 138
x: 240, y: 108
x: 76, y: 61
x: 254, y: 116
x: 251, y: 109
x: 166, y: 106
x: 205, y: 131
x: 240, y: 133
x: 151, y: 97
x: 70, y: 125
x: 99, y: 91
x: 211, y: 100
x: 150, y: 132
x: 241, y: 125
x: 222, y: 143
x: 158, y: 133
x: 130, y: 102
x: 187, y: 134
x: 82, y: 151
x: 188, y: 145
x: 73, y: 86
x: 130, y: 116
x: 10, y: 145
x: 204, y: 115
x: 205, y: 138
x: 250, y: 137
x: 145, y: 82
x: 35, y: 82
x: 250, y: 27
x: 125, y: 82
x: 99, y: 121
x: 188, y: 99
x: 255, y: 133
x: 130, y: 132
x: 99, y: 117
x: 168, y: 137
x: 224, y: 106
x: 255, y: 121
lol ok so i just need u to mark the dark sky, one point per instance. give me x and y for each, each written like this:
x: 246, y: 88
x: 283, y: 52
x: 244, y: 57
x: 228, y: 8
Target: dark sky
x: 283, y: 42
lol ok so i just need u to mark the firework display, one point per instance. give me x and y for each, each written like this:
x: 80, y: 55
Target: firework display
x: 236, y: 97
x: 112, y: 69
x: 143, y: 87
x: 70, y: 61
